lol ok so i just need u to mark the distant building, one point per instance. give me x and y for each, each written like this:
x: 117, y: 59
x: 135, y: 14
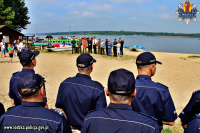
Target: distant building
x: 9, y: 34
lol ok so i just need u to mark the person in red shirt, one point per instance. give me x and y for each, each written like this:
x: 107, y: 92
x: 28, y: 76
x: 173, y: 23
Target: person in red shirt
x: 84, y: 42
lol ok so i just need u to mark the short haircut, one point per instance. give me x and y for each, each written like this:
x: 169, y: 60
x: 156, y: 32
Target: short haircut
x: 86, y: 69
x: 119, y: 41
x: 26, y: 65
x: 25, y: 91
x: 142, y: 67
x: 121, y: 99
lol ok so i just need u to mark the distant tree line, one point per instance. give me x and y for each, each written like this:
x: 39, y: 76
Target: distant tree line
x: 126, y: 33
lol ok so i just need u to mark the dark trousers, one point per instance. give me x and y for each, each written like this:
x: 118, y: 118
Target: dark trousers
x: 78, y: 49
x: 121, y: 50
x: 95, y: 49
x: 99, y: 50
x: 115, y: 50
x: 73, y: 50
x: 89, y: 49
x: 107, y: 49
x: 102, y: 50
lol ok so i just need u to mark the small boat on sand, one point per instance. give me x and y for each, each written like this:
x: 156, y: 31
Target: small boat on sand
x: 58, y: 48
x: 136, y: 48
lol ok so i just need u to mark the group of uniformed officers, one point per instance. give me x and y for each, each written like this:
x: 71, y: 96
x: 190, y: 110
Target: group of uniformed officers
x: 140, y: 106
x: 97, y: 46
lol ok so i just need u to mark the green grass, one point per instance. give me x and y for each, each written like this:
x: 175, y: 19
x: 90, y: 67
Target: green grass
x: 122, y: 58
x: 52, y: 52
x: 183, y: 58
x: 166, y: 130
x: 194, y: 56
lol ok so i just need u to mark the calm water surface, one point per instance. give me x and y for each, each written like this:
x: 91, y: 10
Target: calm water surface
x: 157, y: 44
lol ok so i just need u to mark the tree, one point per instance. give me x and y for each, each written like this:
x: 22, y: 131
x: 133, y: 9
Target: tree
x: 6, y: 14
x: 21, y: 19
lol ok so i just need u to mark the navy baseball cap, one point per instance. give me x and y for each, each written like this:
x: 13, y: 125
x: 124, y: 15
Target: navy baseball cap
x: 27, y: 56
x: 146, y: 58
x: 84, y: 60
x: 121, y: 82
x: 30, y: 81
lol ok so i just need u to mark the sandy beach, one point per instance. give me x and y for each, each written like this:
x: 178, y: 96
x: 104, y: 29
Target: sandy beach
x: 180, y: 73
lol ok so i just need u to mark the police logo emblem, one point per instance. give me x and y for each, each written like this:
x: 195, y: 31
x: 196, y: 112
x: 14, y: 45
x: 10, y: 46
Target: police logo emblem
x: 187, y: 12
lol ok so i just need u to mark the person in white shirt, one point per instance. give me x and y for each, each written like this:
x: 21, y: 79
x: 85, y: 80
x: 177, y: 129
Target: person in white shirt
x: 3, y: 48
x: 94, y: 43
x: 21, y: 45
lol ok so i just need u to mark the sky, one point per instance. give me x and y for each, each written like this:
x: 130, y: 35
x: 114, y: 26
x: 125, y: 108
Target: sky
x: 108, y: 15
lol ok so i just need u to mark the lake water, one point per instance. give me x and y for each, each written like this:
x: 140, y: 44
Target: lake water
x: 157, y: 44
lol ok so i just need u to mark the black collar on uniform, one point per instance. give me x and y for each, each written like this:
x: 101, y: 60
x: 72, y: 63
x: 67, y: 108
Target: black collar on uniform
x: 33, y: 104
x: 120, y: 106
x: 83, y: 76
x: 28, y: 70
x: 144, y: 77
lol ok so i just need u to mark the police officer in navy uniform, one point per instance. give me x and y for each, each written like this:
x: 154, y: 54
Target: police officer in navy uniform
x: 119, y: 116
x: 31, y: 116
x: 115, y: 48
x: 80, y: 94
x: 28, y: 61
x: 152, y: 98
x: 191, y: 111
x: 194, y: 125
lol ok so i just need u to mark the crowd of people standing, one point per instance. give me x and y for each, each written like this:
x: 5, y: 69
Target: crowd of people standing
x: 13, y: 49
x: 91, y: 45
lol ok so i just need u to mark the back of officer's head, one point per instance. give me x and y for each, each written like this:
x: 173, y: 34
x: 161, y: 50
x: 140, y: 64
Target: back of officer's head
x: 121, y: 86
x: 84, y: 63
x: 28, y: 58
x: 30, y: 87
x: 146, y: 63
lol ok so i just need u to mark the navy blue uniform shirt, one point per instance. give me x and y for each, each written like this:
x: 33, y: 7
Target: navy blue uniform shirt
x: 192, y: 108
x: 194, y: 125
x: 119, y: 118
x: 115, y: 44
x: 79, y: 95
x: 13, y: 90
x: 153, y: 99
x: 32, y: 116
x: 2, y: 110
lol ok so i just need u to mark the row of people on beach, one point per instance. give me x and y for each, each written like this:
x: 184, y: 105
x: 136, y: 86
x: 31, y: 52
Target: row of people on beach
x: 13, y: 49
x: 136, y: 105
x: 86, y: 46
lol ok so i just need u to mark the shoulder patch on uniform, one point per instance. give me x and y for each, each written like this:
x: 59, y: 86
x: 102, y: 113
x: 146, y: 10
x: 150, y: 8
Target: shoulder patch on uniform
x: 92, y: 111
x: 57, y: 112
x: 14, y: 73
x: 11, y: 107
x: 149, y: 116
x: 196, y: 92
x: 162, y: 84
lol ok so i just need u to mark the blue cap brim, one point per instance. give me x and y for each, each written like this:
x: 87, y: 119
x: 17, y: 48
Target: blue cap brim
x: 94, y: 60
x: 36, y: 52
x: 158, y: 62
